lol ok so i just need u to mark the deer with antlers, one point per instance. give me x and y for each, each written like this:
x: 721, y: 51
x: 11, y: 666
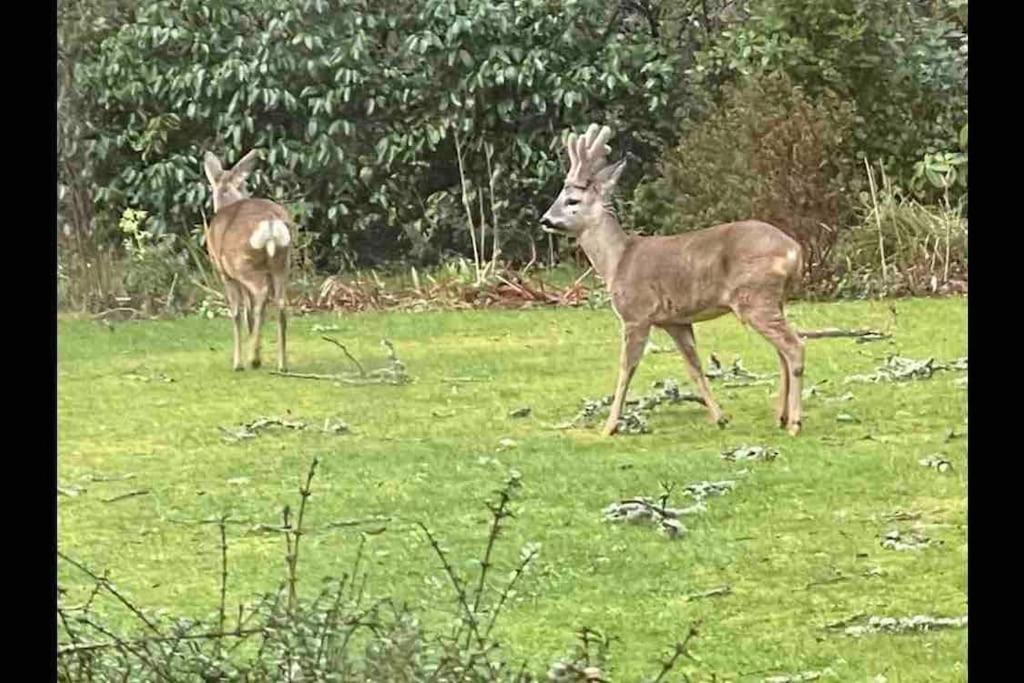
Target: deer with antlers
x: 248, y: 242
x: 747, y: 268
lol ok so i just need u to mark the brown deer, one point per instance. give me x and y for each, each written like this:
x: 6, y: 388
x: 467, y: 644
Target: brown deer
x: 249, y: 243
x: 672, y: 282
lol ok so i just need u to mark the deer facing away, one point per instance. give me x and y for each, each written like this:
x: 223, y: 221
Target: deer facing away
x: 248, y: 242
x: 747, y: 268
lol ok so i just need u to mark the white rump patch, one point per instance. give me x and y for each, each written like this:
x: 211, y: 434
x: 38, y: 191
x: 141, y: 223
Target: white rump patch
x: 271, y: 231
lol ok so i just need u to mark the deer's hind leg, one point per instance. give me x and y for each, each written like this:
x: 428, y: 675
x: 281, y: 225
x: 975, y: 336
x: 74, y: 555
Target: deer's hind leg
x: 258, y: 287
x: 685, y: 341
x: 237, y: 306
x: 279, y: 282
x: 783, y: 412
x: 766, y: 316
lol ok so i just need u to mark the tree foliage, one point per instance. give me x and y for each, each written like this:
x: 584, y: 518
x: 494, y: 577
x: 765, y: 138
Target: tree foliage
x: 357, y: 105
x: 767, y: 151
x: 903, y: 64
x: 363, y: 108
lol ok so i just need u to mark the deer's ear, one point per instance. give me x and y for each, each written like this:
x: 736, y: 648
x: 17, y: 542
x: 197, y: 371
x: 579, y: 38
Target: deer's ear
x: 244, y: 166
x: 608, y: 176
x: 212, y: 168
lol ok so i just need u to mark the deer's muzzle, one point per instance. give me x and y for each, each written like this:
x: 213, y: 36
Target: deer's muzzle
x: 548, y: 224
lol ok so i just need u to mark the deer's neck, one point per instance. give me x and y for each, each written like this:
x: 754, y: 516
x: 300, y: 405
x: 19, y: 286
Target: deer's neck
x: 604, y: 245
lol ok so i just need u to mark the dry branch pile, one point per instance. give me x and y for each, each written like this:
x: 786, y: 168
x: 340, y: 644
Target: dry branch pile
x: 505, y: 289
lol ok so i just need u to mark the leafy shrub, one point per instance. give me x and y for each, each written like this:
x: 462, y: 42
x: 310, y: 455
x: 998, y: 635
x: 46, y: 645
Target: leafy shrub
x: 904, y: 65
x: 769, y: 152
x: 156, y: 269
x: 938, y: 176
x: 357, y: 105
x: 899, y: 245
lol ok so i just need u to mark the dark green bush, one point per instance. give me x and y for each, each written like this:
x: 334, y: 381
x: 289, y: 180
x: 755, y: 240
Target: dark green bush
x: 904, y: 65
x: 357, y: 105
x: 769, y: 152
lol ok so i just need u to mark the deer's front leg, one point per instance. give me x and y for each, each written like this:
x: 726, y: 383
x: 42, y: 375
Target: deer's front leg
x: 634, y: 339
x: 687, y: 344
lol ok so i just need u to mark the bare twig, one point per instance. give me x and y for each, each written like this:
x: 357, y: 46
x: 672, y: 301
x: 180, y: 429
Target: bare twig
x: 483, y: 237
x: 824, y: 582
x: 359, y: 367
x: 357, y: 522
x: 588, y: 271
x: 131, y: 646
x: 308, y: 375
x: 498, y: 513
x: 523, y: 564
x: 465, y: 202
x: 329, y: 378
x: 846, y: 621
x: 714, y: 592
x: 65, y: 650
x: 293, y: 559
x: 67, y: 626
x: 223, y: 576
x: 129, y: 494
x: 830, y: 332
x: 170, y: 293
x: 212, y: 292
x: 678, y: 651
x: 460, y: 592
x: 286, y: 526
x: 118, y: 309
x: 495, y: 246
x: 878, y: 217
x: 105, y: 582
x: 102, y: 478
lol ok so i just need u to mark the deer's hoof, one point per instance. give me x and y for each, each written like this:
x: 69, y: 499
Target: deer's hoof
x: 609, y: 430
x: 793, y: 429
x: 238, y: 367
x: 255, y: 363
x: 722, y: 421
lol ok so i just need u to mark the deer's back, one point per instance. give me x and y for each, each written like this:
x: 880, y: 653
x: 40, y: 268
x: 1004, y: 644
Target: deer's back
x: 230, y: 230
x: 695, y: 276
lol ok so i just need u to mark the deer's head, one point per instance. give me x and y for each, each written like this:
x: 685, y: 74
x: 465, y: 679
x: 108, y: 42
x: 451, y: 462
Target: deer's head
x: 228, y: 186
x: 587, y: 192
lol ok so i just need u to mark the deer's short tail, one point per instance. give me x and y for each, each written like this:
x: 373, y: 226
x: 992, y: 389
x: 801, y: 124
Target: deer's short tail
x: 271, y: 235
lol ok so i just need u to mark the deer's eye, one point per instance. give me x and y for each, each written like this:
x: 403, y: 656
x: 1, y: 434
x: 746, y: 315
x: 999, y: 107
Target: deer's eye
x: 572, y: 202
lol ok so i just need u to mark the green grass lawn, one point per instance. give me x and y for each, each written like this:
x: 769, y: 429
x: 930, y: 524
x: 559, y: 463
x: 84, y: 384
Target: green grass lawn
x: 798, y: 541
